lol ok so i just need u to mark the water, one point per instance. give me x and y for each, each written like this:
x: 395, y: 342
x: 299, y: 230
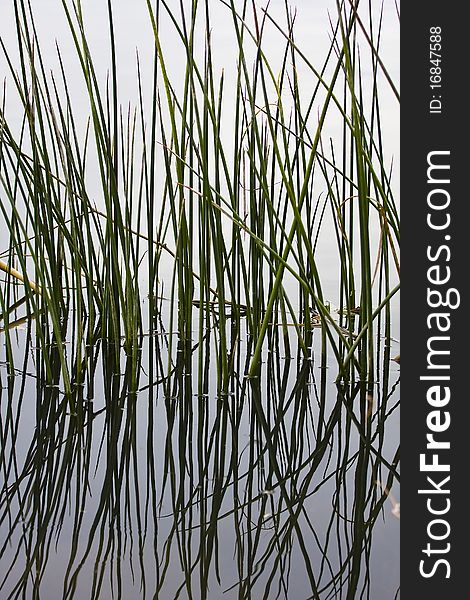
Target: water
x: 159, y: 477
x: 152, y: 485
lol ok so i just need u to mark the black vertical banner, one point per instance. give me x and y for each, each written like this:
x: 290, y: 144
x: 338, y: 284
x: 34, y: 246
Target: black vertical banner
x: 435, y: 357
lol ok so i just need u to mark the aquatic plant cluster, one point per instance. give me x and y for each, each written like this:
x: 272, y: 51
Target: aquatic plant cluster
x: 165, y: 297
x: 228, y: 223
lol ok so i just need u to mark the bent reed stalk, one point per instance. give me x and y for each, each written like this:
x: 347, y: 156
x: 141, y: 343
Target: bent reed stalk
x: 14, y: 273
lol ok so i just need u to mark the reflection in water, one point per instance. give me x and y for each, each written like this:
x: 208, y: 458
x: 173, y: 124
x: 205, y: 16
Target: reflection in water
x: 160, y: 479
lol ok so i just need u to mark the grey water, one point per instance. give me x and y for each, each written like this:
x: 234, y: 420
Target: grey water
x: 151, y: 484
x: 159, y: 479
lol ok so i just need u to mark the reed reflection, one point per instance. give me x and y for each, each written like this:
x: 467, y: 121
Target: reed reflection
x: 157, y: 479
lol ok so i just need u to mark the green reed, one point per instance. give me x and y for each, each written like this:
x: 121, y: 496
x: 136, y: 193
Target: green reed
x: 212, y: 190
x: 164, y: 262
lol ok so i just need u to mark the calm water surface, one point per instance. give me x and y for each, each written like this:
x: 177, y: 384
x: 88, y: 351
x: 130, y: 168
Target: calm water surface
x: 150, y: 483
x: 160, y: 477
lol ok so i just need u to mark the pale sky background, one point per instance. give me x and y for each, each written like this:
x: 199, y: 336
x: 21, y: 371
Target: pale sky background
x: 134, y: 34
